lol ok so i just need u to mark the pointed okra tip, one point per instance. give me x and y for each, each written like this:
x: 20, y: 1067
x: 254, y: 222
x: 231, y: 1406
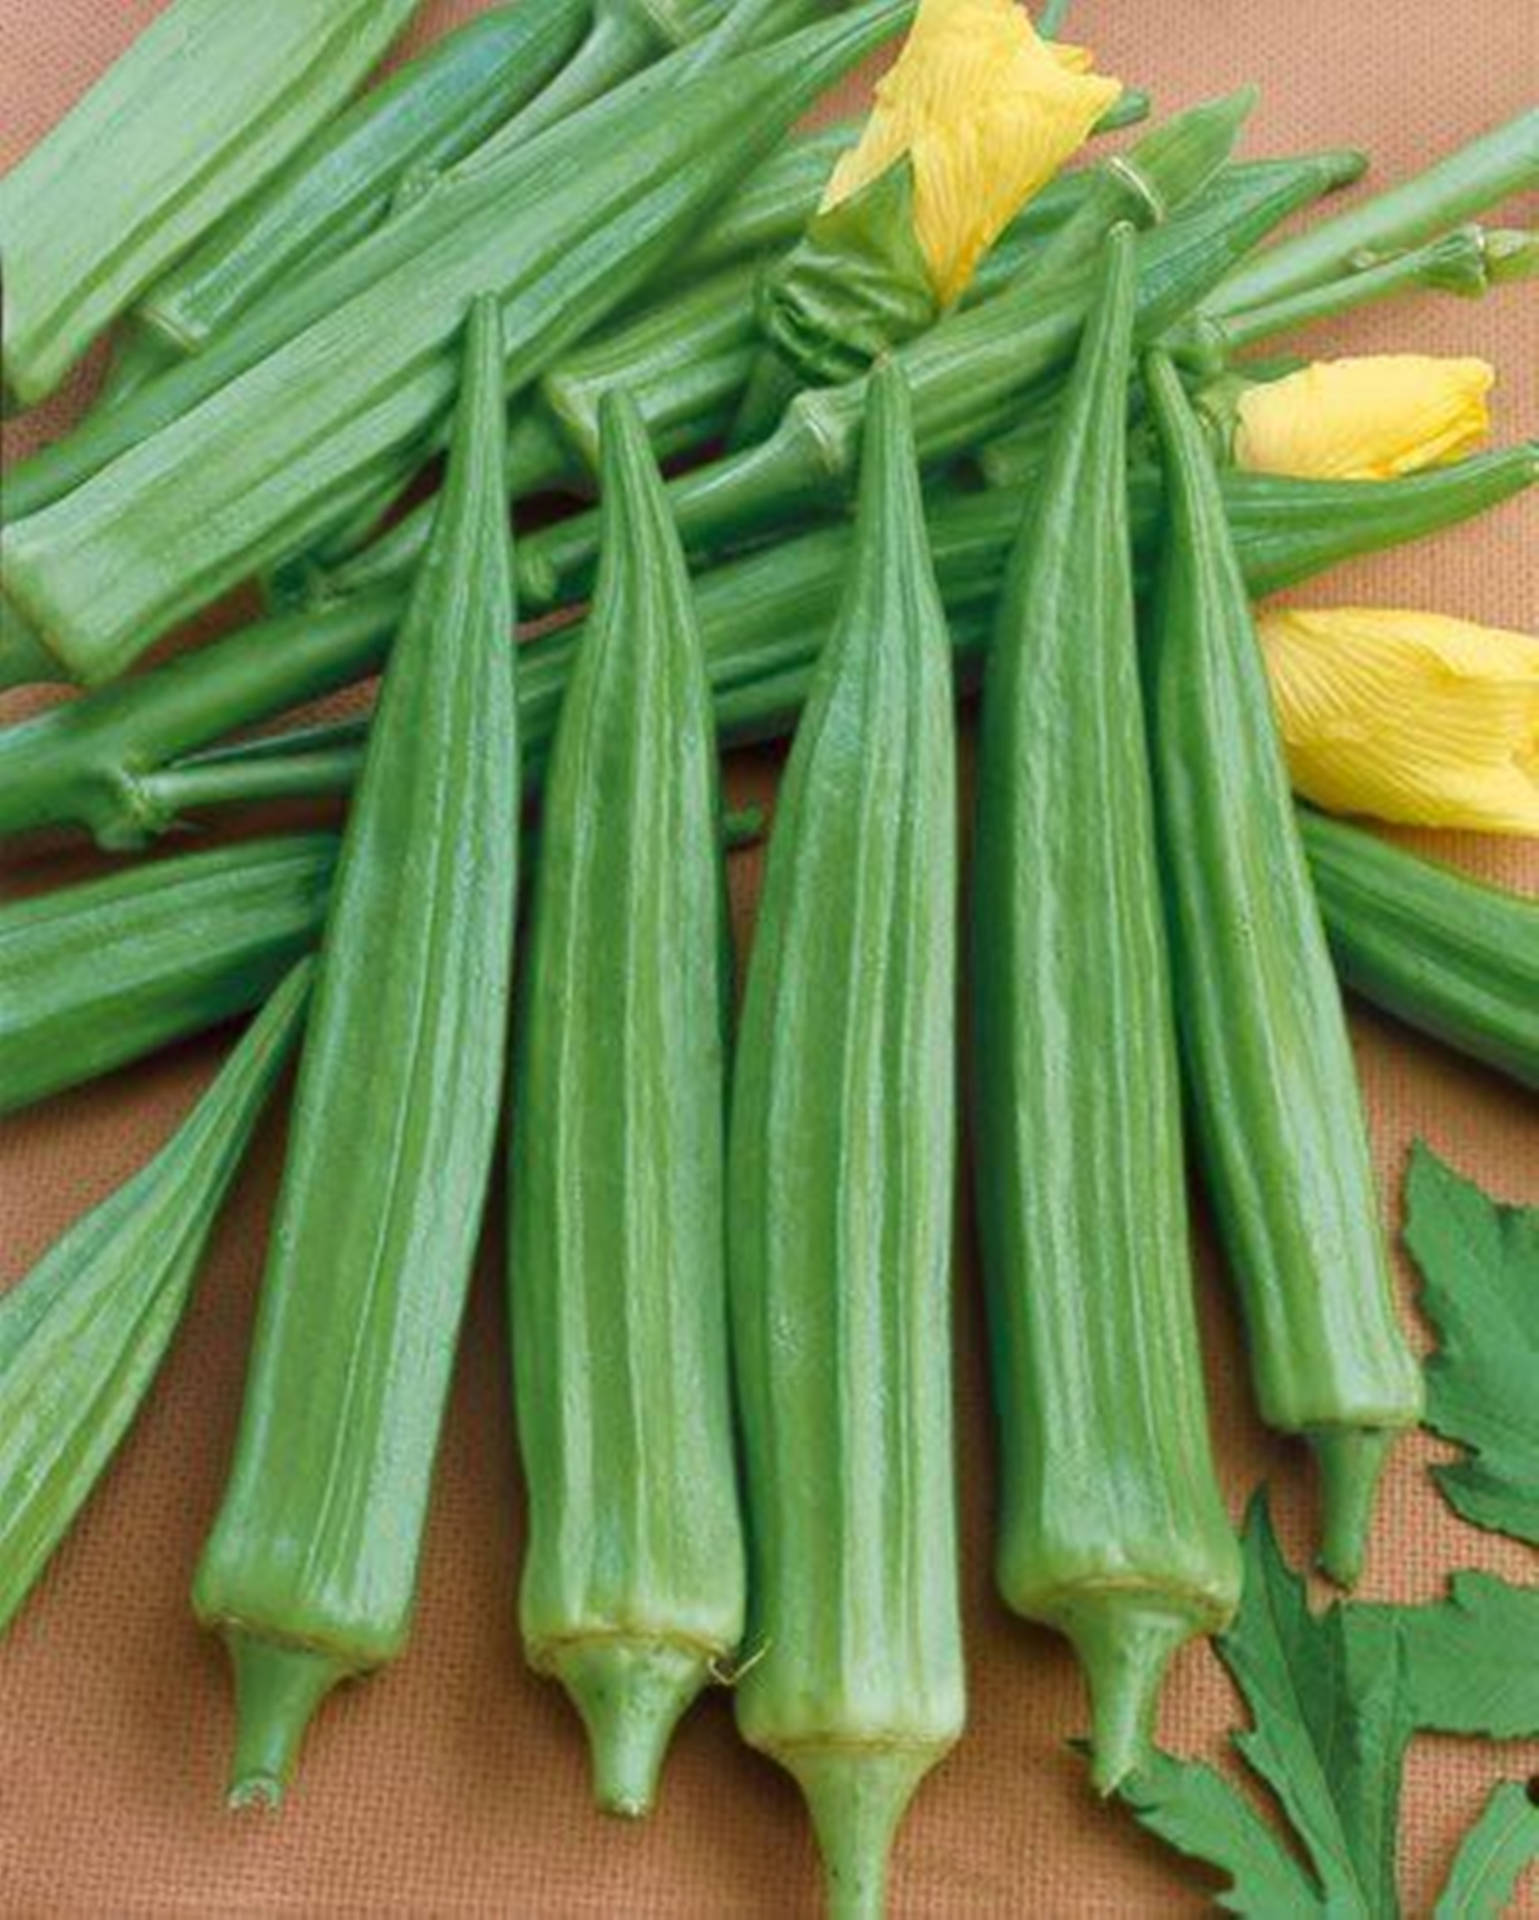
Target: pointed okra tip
x: 1351, y: 1462
x: 277, y: 1690
x: 631, y: 1695
x: 856, y: 1794
x: 1125, y: 1642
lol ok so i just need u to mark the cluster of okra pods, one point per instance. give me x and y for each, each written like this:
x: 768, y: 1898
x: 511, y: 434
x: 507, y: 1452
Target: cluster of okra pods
x: 910, y: 463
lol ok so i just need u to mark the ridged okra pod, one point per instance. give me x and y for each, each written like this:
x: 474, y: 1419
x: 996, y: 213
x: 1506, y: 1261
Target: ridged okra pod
x: 1438, y: 949
x: 1111, y: 1527
x: 310, y: 1570
x: 561, y: 233
x: 83, y: 1335
x: 210, y: 99
x: 840, y: 1208
x: 343, y: 181
x: 1272, y: 1086
x: 95, y: 975
x: 633, y: 1583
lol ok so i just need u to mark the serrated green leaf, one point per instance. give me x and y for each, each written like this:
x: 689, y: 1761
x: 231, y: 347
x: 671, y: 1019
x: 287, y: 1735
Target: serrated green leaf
x: 1332, y: 1720
x: 1492, y: 1855
x: 1470, y: 1662
x: 1196, y: 1811
x: 1479, y: 1265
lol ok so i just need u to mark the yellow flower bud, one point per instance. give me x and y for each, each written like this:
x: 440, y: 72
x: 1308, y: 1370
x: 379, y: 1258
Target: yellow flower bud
x: 1410, y: 717
x: 1365, y: 419
x: 988, y: 113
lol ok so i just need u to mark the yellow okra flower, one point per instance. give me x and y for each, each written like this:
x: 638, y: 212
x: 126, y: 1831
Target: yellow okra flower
x: 988, y: 112
x: 1410, y: 717
x: 1371, y: 418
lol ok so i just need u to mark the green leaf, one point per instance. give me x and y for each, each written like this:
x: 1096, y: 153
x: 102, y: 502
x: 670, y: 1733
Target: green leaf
x: 1479, y: 1264
x: 1199, y: 1813
x: 1492, y: 1855
x: 1470, y: 1658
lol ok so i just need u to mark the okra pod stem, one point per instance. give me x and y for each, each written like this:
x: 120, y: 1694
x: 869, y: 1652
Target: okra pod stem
x: 561, y: 233
x: 1111, y: 1525
x: 840, y: 1191
x: 211, y: 98
x: 96, y: 975
x: 83, y: 1335
x: 341, y: 183
x: 1441, y: 951
x: 1469, y: 262
x: 1274, y: 1095
x: 632, y: 1592
x: 107, y: 762
x: 311, y: 1567
x: 1457, y: 187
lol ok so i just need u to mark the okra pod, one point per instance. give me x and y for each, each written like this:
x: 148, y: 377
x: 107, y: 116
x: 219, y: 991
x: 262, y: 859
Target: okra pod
x: 83, y: 1335
x: 107, y: 762
x: 969, y: 377
x: 310, y: 1570
x: 1274, y: 1097
x: 1111, y: 1526
x: 633, y: 1583
x: 560, y: 233
x: 341, y: 184
x: 1445, y: 953
x: 1457, y: 187
x: 96, y: 975
x: 210, y: 99
x: 840, y: 1200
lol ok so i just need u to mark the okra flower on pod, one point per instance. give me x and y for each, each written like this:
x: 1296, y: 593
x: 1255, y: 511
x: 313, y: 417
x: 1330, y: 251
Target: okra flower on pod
x: 1409, y: 717
x: 1369, y: 418
x: 975, y: 117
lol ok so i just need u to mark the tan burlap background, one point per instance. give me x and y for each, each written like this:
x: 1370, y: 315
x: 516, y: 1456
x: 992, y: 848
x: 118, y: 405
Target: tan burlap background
x: 455, y: 1783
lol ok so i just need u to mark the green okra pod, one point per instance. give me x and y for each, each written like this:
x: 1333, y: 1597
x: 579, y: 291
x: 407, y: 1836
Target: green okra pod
x: 632, y: 1592
x: 1111, y: 1526
x: 1273, y: 1090
x: 840, y: 1202
x: 210, y: 99
x: 96, y: 975
x: 342, y: 182
x: 1457, y: 187
x: 83, y: 1335
x: 561, y: 233
x: 1438, y: 949
x: 310, y: 1570
x: 106, y: 761
x: 969, y: 376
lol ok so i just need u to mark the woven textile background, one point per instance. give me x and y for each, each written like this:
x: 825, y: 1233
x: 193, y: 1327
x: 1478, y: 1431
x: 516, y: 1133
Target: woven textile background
x: 456, y: 1783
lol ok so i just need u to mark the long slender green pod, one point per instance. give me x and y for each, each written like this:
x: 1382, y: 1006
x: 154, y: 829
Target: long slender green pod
x: 840, y: 1201
x: 1457, y: 187
x: 83, y: 1335
x: 342, y: 182
x: 96, y: 975
x: 311, y: 1567
x: 1111, y: 1525
x: 561, y: 233
x: 1274, y: 1096
x: 633, y: 1582
x: 210, y: 99
x: 1438, y: 949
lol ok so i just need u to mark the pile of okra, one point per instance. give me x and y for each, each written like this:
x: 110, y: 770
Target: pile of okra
x: 569, y: 248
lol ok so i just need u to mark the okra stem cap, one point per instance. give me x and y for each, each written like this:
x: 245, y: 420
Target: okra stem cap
x: 277, y: 1690
x: 631, y: 1695
x: 857, y: 1794
x: 1351, y: 1461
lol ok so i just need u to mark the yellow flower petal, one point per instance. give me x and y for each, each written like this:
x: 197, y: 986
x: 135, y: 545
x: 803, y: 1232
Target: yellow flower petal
x: 1409, y: 717
x: 988, y: 112
x: 1364, y: 419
